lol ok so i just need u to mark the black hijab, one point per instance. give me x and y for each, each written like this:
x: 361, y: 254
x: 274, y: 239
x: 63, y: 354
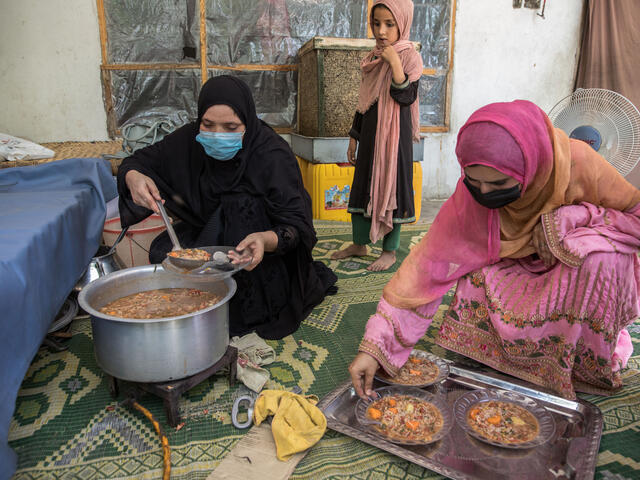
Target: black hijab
x: 192, y: 183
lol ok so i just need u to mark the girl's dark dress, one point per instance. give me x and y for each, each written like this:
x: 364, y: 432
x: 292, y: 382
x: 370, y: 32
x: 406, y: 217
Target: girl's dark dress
x: 364, y: 131
x: 221, y: 202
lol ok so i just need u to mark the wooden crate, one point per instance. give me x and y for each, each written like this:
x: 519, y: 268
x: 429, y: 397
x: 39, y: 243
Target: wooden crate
x: 328, y: 83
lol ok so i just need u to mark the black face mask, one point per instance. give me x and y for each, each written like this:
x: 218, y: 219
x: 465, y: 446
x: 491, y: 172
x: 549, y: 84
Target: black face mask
x: 495, y: 199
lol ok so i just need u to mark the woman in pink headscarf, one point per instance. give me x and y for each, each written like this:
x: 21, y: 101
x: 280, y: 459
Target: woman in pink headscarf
x: 385, y: 124
x: 541, y: 237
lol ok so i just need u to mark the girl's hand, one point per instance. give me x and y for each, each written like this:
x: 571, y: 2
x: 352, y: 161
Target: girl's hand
x: 390, y: 56
x: 144, y: 191
x: 253, y: 247
x: 541, y: 246
x: 362, y: 369
x: 351, y: 151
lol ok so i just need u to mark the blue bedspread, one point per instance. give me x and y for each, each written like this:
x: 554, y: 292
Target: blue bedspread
x: 51, y: 222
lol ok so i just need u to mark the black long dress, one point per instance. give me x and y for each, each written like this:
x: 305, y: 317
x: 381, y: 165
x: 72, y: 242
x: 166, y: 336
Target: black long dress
x: 364, y: 130
x: 221, y: 202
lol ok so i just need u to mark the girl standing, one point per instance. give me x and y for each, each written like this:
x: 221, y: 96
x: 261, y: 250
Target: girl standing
x: 385, y: 123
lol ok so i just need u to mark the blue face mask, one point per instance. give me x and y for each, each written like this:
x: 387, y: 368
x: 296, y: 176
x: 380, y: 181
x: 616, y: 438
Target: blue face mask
x: 220, y: 145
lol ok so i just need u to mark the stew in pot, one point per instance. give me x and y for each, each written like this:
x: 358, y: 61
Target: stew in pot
x: 161, y: 303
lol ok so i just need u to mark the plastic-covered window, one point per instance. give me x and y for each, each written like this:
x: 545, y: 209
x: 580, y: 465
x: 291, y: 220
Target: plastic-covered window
x: 157, y: 31
x: 146, y: 95
x: 272, y: 31
x: 259, y: 39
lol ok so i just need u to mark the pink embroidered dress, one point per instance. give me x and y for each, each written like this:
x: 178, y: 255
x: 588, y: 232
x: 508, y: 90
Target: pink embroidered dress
x: 561, y: 327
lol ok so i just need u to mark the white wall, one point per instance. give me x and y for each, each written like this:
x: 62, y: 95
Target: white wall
x: 50, y: 88
x: 503, y: 54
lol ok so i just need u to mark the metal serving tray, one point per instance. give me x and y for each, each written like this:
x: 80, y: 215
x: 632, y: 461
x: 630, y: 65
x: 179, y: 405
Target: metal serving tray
x: 570, y: 454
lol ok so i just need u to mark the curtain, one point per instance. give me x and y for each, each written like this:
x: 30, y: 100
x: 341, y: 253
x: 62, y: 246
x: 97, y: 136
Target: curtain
x: 610, y: 52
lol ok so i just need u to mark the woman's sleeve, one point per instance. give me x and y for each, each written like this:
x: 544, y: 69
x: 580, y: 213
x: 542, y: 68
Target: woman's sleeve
x: 159, y: 162
x: 146, y: 161
x: 392, y: 332
x: 356, y: 126
x: 405, y: 93
x: 288, y: 239
x: 574, y: 231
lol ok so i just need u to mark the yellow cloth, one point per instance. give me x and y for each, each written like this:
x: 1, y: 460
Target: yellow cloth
x: 297, y: 423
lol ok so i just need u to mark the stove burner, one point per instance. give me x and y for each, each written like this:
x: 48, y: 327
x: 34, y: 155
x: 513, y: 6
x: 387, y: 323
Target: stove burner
x: 170, y: 391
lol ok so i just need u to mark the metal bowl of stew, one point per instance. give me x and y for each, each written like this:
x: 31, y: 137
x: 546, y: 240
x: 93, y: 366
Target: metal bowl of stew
x: 156, y: 349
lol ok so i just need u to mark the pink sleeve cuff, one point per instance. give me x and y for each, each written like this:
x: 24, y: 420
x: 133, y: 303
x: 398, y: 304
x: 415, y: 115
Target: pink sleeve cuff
x: 392, y: 332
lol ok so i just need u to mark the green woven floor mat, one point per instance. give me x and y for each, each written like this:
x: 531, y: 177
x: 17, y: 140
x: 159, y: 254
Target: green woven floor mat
x: 66, y: 425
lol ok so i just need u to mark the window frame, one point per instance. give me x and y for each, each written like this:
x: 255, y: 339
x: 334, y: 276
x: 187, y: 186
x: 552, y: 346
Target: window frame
x: 106, y: 67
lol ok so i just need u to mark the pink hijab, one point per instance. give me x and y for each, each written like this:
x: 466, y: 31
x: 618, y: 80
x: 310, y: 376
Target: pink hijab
x: 375, y: 85
x: 517, y: 139
x: 465, y: 236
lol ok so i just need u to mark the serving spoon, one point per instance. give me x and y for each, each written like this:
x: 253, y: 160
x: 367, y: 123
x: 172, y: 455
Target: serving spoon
x: 186, y: 263
x: 218, y: 260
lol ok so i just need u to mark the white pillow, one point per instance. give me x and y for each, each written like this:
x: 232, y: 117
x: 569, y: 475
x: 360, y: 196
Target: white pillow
x: 14, y: 148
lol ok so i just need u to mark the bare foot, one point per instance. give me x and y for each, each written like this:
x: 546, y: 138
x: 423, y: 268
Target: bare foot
x: 384, y: 262
x: 352, y: 250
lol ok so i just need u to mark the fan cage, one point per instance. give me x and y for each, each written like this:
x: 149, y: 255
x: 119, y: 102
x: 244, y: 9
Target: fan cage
x: 612, y: 115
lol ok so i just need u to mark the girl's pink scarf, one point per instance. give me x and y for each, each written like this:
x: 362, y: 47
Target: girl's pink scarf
x: 375, y: 85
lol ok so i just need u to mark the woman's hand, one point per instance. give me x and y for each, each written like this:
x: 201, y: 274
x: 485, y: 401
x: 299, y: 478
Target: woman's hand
x: 351, y: 151
x: 253, y: 247
x: 144, y: 191
x: 362, y: 370
x: 542, y: 248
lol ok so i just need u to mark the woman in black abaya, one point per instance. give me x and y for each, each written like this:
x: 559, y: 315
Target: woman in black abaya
x: 231, y: 180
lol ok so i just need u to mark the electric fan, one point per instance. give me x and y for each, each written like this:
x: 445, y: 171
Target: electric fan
x: 604, y: 119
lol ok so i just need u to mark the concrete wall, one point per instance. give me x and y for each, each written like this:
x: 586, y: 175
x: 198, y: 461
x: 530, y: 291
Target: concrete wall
x: 503, y: 54
x: 50, y: 86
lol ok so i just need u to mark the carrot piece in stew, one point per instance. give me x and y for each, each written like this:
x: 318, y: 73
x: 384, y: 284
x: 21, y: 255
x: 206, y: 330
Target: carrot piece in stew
x: 495, y: 420
x: 375, y: 413
x: 412, y: 425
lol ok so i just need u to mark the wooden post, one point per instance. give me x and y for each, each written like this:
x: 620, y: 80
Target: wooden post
x: 369, y: 31
x: 105, y: 74
x: 203, y: 43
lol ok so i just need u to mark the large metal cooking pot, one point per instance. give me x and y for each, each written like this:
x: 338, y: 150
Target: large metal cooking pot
x: 156, y: 350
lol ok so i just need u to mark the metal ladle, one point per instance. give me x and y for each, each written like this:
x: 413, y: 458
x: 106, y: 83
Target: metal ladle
x: 185, y: 263
x: 218, y: 258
